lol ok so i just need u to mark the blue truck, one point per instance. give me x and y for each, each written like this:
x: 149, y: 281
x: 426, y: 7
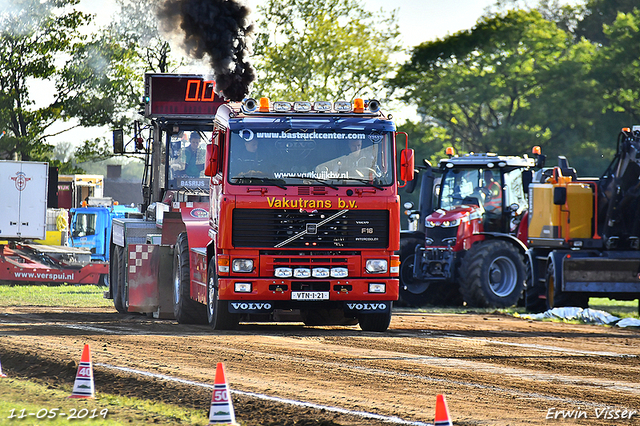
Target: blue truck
x: 90, y: 225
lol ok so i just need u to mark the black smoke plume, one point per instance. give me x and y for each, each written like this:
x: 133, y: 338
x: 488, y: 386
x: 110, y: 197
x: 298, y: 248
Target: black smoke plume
x: 220, y: 29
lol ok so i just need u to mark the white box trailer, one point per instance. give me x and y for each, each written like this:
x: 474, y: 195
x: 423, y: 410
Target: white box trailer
x: 23, y: 210
x: 23, y: 218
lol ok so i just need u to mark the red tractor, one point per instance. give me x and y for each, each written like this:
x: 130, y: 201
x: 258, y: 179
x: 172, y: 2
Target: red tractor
x: 475, y: 233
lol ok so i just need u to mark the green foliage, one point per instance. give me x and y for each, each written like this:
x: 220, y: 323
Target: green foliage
x: 601, y: 13
x: 521, y: 78
x: 616, y: 65
x: 33, y: 36
x: 323, y: 50
x: 484, y: 85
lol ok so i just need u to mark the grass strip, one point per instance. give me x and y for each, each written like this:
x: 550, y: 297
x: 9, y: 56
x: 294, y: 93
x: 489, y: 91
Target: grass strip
x: 79, y: 296
x: 27, y: 403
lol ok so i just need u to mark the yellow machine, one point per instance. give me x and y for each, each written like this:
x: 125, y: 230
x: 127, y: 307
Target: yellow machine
x: 555, y: 223
x: 584, y: 234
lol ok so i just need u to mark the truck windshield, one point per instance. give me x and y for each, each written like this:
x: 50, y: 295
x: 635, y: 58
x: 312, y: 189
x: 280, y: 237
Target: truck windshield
x: 310, y: 157
x: 84, y: 225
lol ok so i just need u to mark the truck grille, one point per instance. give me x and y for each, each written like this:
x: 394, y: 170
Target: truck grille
x: 276, y: 228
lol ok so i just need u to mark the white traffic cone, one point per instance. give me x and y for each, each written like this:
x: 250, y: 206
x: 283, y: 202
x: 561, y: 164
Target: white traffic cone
x: 83, y: 386
x: 221, y: 412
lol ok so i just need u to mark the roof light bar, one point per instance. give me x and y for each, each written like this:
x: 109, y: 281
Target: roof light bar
x: 281, y: 106
x: 342, y: 106
x: 322, y: 106
x: 302, y: 106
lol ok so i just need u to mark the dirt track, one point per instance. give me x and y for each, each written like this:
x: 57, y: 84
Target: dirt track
x: 493, y: 369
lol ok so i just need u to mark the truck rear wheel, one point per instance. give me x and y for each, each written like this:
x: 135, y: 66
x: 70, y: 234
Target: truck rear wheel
x: 185, y: 309
x: 492, y: 274
x: 375, y: 322
x: 556, y: 298
x: 118, y: 270
x: 218, y: 314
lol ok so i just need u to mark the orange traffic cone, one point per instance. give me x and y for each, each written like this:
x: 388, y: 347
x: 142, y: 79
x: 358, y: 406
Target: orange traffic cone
x: 1, y: 373
x: 442, y: 412
x: 83, y: 386
x: 221, y: 412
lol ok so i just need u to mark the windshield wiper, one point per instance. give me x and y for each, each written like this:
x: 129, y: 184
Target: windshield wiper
x: 322, y: 181
x: 252, y: 179
x: 365, y: 181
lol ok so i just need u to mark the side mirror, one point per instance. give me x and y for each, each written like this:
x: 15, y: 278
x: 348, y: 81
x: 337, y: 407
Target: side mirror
x: 211, y: 160
x: 407, y: 165
x: 560, y: 195
x: 118, y: 141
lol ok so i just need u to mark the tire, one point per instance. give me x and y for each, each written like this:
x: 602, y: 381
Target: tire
x: 413, y: 292
x: 492, y: 274
x: 118, y: 279
x: 218, y: 315
x: 532, y: 292
x: 185, y: 309
x: 375, y: 322
x: 103, y: 281
x: 556, y: 298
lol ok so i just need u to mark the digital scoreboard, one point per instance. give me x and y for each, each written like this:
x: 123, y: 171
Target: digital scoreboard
x: 180, y: 95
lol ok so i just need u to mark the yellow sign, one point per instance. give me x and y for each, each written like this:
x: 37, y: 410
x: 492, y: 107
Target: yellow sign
x: 301, y: 203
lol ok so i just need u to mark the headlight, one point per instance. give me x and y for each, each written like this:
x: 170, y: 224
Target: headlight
x: 377, y: 288
x: 302, y: 273
x: 283, y: 272
x: 376, y: 266
x: 320, y: 272
x: 429, y: 223
x: 242, y: 265
x: 451, y: 223
x: 339, y: 272
x: 242, y: 287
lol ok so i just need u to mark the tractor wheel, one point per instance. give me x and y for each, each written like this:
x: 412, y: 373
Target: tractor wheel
x: 492, y: 274
x: 185, y: 309
x: 218, y: 315
x: 119, y: 273
x: 556, y: 298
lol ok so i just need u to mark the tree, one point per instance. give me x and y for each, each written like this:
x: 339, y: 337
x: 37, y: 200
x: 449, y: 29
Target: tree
x: 136, y: 27
x: 600, y: 13
x: 43, y: 41
x: 323, y: 50
x: 33, y: 35
x: 513, y: 81
x: 616, y: 65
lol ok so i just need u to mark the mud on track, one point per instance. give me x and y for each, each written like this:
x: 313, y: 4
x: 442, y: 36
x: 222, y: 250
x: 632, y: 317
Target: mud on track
x: 493, y: 369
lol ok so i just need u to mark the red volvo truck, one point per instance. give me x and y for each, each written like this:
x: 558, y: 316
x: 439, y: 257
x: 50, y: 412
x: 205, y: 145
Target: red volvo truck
x: 293, y: 213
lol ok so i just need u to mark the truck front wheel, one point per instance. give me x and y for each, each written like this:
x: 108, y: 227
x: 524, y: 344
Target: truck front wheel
x: 218, y: 314
x: 375, y: 322
x: 492, y: 274
x: 185, y: 309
